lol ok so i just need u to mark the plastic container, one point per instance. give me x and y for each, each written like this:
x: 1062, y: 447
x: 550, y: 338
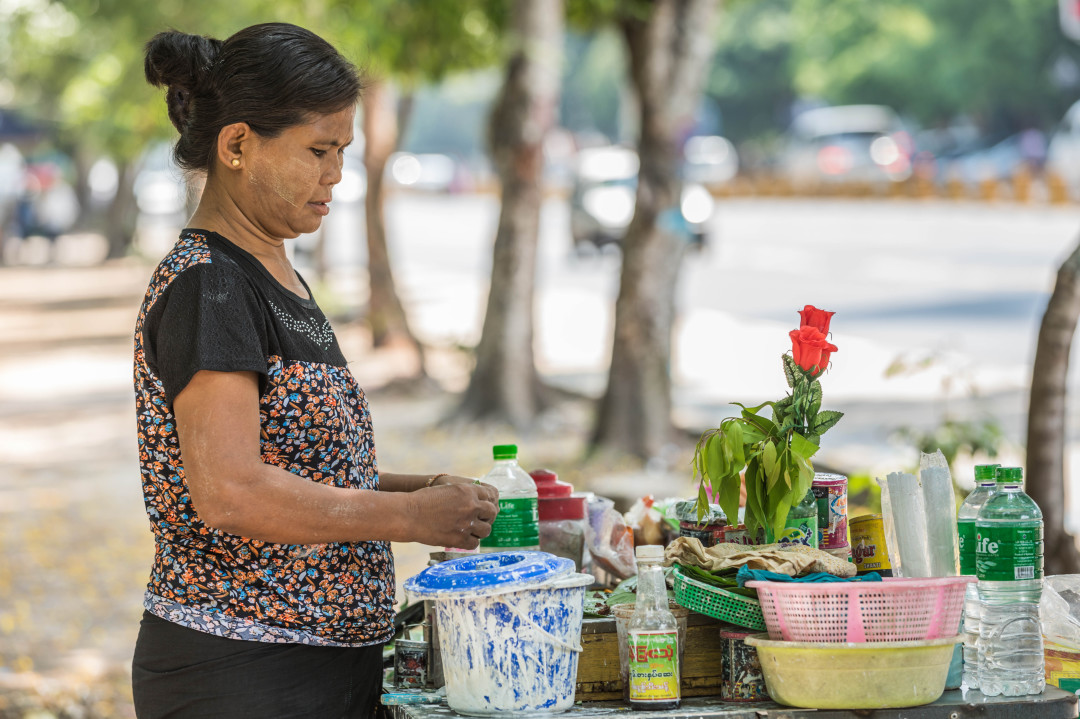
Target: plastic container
x: 563, y: 517
x: 985, y: 484
x: 871, y: 675
x: 709, y: 530
x: 517, y: 527
x: 716, y: 602
x: 509, y: 630
x: 892, y: 610
x: 1009, y: 563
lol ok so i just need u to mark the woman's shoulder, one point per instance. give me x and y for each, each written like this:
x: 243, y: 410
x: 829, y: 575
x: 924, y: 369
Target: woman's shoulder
x: 196, y: 262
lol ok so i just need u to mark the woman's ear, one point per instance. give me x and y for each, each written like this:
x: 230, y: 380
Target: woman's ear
x: 232, y: 141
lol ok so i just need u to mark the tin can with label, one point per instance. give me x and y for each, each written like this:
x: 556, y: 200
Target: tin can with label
x: 410, y: 663
x: 830, y: 493
x: 738, y: 534
x: 741, y: 678
x: 709, y: 534
x: 868, y: 545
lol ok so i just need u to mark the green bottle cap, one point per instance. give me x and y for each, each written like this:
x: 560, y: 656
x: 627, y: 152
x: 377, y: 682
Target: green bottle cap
x: 504, y: 451
x: 986, y: 471
x: 1010, y: 475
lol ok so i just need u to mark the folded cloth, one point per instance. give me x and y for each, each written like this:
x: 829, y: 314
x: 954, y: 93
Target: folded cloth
x: 763, y: 575
x: 791, y: 560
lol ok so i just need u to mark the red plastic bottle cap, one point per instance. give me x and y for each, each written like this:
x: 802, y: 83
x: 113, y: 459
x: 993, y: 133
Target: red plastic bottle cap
x: 548, y: 484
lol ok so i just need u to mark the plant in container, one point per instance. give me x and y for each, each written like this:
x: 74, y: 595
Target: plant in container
x: 771, y: 450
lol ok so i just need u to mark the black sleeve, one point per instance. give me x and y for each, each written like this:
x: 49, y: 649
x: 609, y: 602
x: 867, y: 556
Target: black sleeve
x: 208, y: 318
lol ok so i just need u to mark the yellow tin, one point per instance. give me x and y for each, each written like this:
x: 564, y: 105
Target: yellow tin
x: 868, y: 545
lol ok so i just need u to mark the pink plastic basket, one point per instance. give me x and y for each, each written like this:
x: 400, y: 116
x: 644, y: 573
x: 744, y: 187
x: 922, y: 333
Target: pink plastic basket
x: 892, y: 610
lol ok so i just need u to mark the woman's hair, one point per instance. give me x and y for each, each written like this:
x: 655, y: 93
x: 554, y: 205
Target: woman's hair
x: 272, y: 76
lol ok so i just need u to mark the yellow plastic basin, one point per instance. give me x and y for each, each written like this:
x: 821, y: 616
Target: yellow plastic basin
x: 873, y: 675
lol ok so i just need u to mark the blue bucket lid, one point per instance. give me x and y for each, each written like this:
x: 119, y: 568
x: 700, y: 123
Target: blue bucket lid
x: 481, y: 574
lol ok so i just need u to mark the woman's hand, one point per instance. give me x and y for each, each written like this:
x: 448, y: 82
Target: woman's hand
x: 454, y: 513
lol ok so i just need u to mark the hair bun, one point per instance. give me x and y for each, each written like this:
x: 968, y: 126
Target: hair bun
x: 179, y: 62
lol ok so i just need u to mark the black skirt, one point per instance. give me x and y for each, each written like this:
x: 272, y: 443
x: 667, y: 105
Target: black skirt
x: 178, y: 673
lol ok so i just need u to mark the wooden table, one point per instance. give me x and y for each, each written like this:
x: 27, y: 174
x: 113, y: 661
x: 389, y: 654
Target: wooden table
x: 1051, y: 704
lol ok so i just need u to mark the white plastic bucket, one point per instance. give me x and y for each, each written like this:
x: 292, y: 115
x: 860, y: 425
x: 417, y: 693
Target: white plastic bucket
x: 511, y: 648
x: 513, y: 653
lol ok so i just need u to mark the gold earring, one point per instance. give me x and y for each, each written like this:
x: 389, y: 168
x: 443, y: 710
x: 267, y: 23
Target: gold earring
x: 235, y: 162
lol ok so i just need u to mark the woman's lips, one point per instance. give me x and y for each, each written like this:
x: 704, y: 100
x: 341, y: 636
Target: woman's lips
x: 323, y: 208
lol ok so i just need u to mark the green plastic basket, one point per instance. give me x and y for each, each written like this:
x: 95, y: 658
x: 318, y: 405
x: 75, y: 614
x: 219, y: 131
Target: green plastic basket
x: 717, y: 602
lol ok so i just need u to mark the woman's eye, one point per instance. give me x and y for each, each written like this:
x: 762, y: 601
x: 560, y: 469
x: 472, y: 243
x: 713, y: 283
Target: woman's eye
x: 318, y: 153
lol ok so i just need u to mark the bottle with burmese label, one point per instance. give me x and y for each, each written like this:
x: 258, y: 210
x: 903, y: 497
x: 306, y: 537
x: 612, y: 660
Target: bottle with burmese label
x: 653, y: 634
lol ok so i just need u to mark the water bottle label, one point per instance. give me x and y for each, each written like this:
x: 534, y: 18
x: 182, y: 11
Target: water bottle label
x: 517, y: 524
x: 967, y: 546
x: 654, y: 665
x: 797, y: 530
x: 1009, y: 552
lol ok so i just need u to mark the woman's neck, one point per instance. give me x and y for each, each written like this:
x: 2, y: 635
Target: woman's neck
x: 218, y: 213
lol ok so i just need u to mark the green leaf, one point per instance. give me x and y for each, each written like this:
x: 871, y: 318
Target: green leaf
x: 755, y: 497
x: 802, y: 447
x: 728, y: 497
x: 778, y: 515
x: 770, y: 465
x: 751, y: 434
x: 825, y: 420
x: 735, y: 442
x: 763, y: 424
x: 714, y: 458
x: 815, y: 400
x: 791, y: 370
x: 702, y: 505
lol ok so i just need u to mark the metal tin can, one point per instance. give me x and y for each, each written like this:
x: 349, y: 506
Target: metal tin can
x: 830, y: 491
x: 709, y: 534
x: 868, y: 545
x: 739, y: 535
x: 741, y: 678
x: 410, y: 663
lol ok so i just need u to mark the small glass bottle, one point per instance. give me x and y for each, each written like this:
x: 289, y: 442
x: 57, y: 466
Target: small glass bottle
x: 653, y: 635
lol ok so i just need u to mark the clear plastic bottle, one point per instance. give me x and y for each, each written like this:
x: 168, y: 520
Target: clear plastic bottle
x: 985, y: 484
x: 518, y: 524
x: 801, y: 526
x: 1009, y: 564
x: 653, y: 635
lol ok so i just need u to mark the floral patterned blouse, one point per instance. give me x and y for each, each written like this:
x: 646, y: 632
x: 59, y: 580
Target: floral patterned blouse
x: 211, y: 305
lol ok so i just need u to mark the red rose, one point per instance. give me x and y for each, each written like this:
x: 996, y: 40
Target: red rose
x: 818, y: 319
x: 810, y: 349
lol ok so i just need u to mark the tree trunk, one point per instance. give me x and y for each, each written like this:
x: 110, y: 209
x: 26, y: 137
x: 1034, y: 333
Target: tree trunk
x: 1047, y: 417
x: 669, y: 53
x: 122, y: 213
x: 386, y: 315
x: 505, y: 384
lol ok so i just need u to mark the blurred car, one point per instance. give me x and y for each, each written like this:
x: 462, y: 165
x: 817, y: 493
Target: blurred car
x: 860, y: 143
x: 1063, y: 154
x: 709, y: 160
x: 604, y: 195
x: 994, y: 159
x: 432, y: 172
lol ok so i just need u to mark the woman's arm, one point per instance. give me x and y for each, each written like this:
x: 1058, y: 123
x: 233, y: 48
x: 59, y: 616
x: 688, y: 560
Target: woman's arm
x: 233, y: 490
x: 411, y: 482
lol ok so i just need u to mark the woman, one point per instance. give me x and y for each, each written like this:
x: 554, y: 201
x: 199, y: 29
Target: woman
x: 272, y: 586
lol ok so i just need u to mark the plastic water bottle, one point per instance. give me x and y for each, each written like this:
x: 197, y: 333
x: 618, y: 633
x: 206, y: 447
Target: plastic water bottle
x: 517, y: 525
x: 1009, y: 564
x: 985, y: 484
x: 653, y: 635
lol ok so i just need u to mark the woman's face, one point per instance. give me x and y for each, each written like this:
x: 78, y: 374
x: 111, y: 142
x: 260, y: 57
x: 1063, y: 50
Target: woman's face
x: 290, y: 178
